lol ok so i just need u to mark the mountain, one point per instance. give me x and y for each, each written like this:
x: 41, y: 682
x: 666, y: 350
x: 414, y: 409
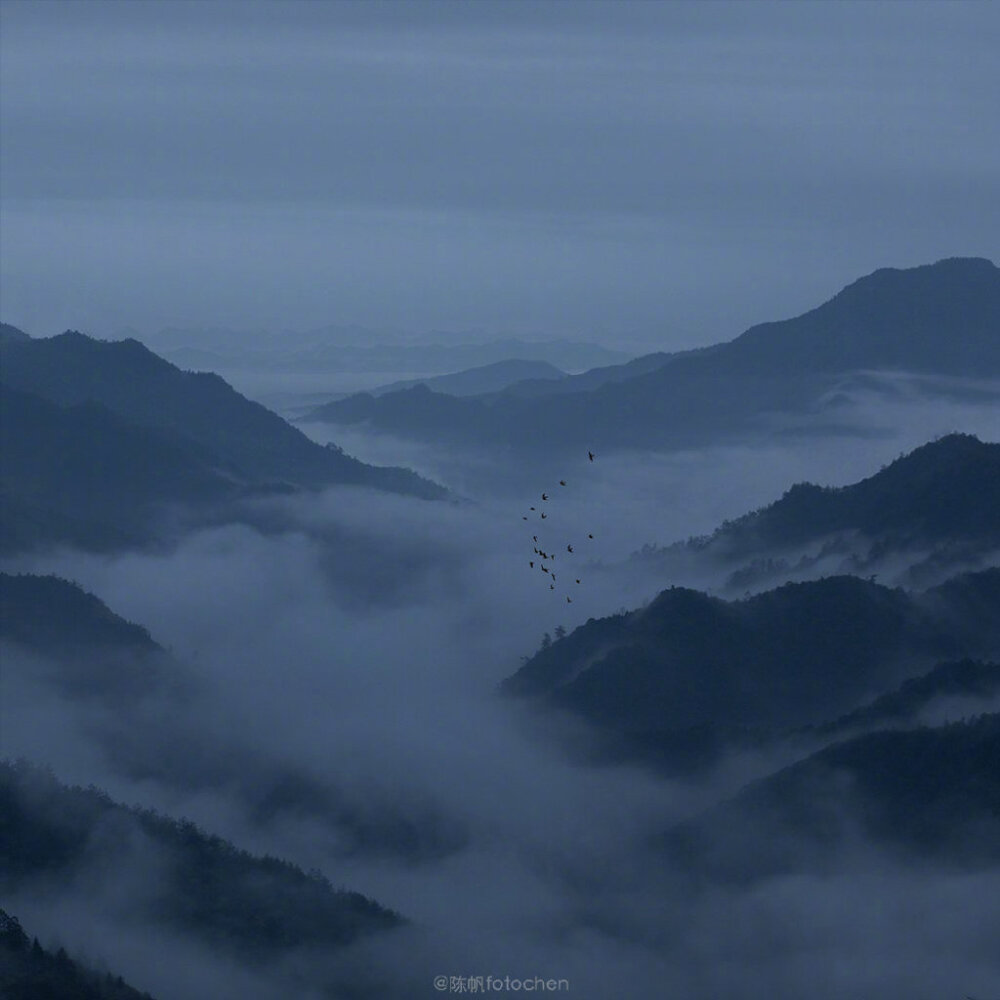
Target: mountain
x: 484, y: 379
x: 206, y: 888
x: 941, y: 319
x: 525, y: 385
x: 12, y: 333
x: 77, y: 643
x: 62, y: 637
x: 52, y: 615
x: 105, y: 445
x: 961, y: 683
x: 594, y: 378
x: 200, y: 409
x: 936, y: 506
x: 945, y: 489
x: 30, y: 972
x: 677, y: 681
x: 359, y: 350
x: 82, y: 475
x: 928, y: 794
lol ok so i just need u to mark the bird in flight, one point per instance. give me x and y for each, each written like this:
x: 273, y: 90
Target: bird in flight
x: 590, y: 536
x: 532, y: 563
x: 562, y: 482
x: 569, y: 600
x: 545, y: 496
x: 569, y: 548
x: 544, y: 514
x: 590, y: 455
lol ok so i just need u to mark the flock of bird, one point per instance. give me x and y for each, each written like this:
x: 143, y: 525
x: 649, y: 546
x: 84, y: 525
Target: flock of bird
x: 544, y: 561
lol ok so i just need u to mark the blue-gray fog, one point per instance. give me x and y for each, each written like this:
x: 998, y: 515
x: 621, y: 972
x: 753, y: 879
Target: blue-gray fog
x: 597, y: 169
x: 664, y: 675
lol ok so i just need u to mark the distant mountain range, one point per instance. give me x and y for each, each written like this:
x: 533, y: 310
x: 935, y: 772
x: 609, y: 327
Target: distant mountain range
x: 476, y: 381
x: 356, y: 350
x: 916, y: 518
x: 98, y: 436
x: 942, y: 319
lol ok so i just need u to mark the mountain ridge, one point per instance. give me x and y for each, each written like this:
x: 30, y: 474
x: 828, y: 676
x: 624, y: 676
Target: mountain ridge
x: 143, y: 388
x: 941, y: 318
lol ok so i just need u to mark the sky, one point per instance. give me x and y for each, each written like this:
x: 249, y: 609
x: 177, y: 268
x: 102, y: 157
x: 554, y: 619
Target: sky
x: 649, y: 176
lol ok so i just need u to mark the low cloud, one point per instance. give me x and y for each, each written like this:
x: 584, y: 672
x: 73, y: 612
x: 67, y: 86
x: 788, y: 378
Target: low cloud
x: 341, y: 653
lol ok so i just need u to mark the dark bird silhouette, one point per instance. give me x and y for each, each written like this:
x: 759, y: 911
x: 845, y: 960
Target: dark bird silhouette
x: 590, y: 455
x: 545, y: 569
x: 569, y: 548
x: 562, y: 482
x: 531, y: 508
x: 545, y: 496
x: 590, y: 536
x: 532, y: 563
x: 534, y: 538
x: 577, y: 581
x: 543, y: 514
x: 524, y: 517
x: 569, y: 600
x: 553, y: 577
x: 552, y: 586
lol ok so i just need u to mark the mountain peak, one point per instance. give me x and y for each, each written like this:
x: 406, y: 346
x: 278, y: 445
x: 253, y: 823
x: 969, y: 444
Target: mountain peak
x: 940, y: 317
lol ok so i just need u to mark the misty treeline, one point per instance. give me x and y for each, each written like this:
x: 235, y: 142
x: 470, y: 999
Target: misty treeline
x: 30, y: 972
x: 270, y: 729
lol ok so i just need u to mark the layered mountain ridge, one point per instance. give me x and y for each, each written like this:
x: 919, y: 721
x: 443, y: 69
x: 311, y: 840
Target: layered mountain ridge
x: 941, y: 319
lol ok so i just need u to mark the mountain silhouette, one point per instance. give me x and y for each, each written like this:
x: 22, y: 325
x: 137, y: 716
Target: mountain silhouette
x: 798, y: 655
x: 934, y: 508
x: 30, y: 972
x: 959, y: 682
x: 947, y: 488
x: 207, y: 889
x: 143, y: 389
x: 51, y: 614
x: 84, y: 476
x: 929, y: 794
x: 939, y: 319
x: 483, y: 379
x: 77, y: 644
x: 12, y: 333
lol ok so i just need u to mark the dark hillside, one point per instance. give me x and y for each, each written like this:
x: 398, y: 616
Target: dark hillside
x: 144, y: 390
x: 926, y: 795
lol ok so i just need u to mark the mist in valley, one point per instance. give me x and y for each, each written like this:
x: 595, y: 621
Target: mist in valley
x: 332, y: 699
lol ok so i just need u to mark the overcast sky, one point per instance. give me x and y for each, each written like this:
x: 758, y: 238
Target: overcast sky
x: 658, y: 174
